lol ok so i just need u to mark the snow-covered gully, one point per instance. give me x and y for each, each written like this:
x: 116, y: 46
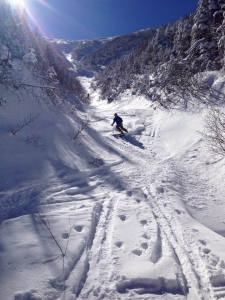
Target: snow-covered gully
x: 164, y: 188
x: 137, y: 225
x: 161, y: 191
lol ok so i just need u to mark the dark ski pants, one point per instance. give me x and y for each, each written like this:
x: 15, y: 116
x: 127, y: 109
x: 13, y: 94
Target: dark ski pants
x: 120, y: 128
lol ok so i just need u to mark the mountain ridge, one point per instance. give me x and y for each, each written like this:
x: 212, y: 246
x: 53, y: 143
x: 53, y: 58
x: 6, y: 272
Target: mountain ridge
x: 191, y: 45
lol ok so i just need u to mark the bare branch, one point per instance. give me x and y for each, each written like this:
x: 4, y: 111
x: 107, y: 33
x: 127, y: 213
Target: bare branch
x: 69, y: 233
x: 36, y: 141
x: 26, y: 121
x: 2, y: 102
x: 40, y: 86
x: 97, y: 162
x: 47, y: 225
x: 75, y: 134
x: 214, y: 133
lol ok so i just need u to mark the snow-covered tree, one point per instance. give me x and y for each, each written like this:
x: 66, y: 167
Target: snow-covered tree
x: 18, y: 41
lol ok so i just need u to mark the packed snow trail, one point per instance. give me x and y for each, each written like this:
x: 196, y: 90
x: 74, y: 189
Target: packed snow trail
x: 135, y: 224
x: 160, y: 182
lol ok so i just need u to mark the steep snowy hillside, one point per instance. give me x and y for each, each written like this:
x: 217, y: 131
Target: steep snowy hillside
x: 75, y: 50
x: 34, y: 127
x: 88, y: 214
x: 93, y: 55
x: 137, y: 217
x: 89, y: 46
x: 65, y: 46
x: 159, y: 63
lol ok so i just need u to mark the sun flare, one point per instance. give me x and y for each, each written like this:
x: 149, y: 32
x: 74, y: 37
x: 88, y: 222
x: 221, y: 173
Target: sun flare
x: 17, y: 2
x: 30, y: 6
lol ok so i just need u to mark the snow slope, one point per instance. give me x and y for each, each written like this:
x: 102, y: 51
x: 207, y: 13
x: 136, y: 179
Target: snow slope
x: 138, y: 217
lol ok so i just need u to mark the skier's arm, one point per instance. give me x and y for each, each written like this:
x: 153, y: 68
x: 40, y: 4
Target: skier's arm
x: 113, y: 122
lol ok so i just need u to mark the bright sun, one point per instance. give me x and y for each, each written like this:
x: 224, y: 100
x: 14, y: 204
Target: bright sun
x: 17, y: 2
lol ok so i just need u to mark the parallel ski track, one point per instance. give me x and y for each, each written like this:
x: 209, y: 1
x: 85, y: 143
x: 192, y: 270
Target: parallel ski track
x: 103, y: 260
x: 182, y: 248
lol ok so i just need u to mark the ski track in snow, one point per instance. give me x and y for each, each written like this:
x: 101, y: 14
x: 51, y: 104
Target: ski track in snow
x: 194, y: 273
x: 138, y: 236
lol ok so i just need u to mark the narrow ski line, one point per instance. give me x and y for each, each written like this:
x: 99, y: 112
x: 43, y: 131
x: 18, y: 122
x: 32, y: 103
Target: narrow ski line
x: 172, y: 240
x: 189, y: 273
x: 189, y: 243
x: 100, y: 261
x: 161, y: 227
x: 179, y: 246
x: 192, y: 271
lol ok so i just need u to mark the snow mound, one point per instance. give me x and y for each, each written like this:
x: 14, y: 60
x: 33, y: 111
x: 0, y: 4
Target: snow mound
x: 32, y: 295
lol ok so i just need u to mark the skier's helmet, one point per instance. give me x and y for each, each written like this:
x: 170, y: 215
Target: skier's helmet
x: 115, y: 114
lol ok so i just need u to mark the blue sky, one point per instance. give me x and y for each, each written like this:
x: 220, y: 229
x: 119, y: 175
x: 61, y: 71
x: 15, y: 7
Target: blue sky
x: 88, y: 19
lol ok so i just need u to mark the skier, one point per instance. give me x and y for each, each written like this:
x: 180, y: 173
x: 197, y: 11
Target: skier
x: 119, y: 124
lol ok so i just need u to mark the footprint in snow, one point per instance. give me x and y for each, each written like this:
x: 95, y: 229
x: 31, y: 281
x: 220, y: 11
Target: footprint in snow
x: 160, y: 190
x: 203, y: 242
x: 78, y: 228
x: 145, y: 236
x: 65, y: 235
x: 122, y: 217
x: 214, y: 260
x: 144, y: 246
x: 143, y: 222
x: 137, y: 252
x: 119, y: 244
x: 222, y: 264
x: 179, y: 212
x: 129, y: 193
x: 96, y: 291
x: 206, y: 250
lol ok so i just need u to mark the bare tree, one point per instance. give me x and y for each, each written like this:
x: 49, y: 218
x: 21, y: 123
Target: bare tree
x: 97, y: 161
x: 47, y: 225
x: 214, y: 133
x: 62, y: 250
x: 42, y: 84
x: 35, y: 140
x: 77, y: 133
x: 26, y: 121
x: 2, y: 102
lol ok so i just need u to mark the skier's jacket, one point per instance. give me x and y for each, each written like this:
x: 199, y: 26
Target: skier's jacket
x: 118, y: 120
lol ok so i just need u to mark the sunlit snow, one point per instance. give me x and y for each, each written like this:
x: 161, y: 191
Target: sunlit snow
x: 137, y: 217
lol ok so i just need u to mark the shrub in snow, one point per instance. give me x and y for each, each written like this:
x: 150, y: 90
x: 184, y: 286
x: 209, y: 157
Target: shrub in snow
x: 5, y: 61
x: 5, y: 54
x: 77, y: 133
x: 30, y: 58
x: 26, y: 121
x: 35, y: 140
x: 214, y: 133
x: 52, y: 75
